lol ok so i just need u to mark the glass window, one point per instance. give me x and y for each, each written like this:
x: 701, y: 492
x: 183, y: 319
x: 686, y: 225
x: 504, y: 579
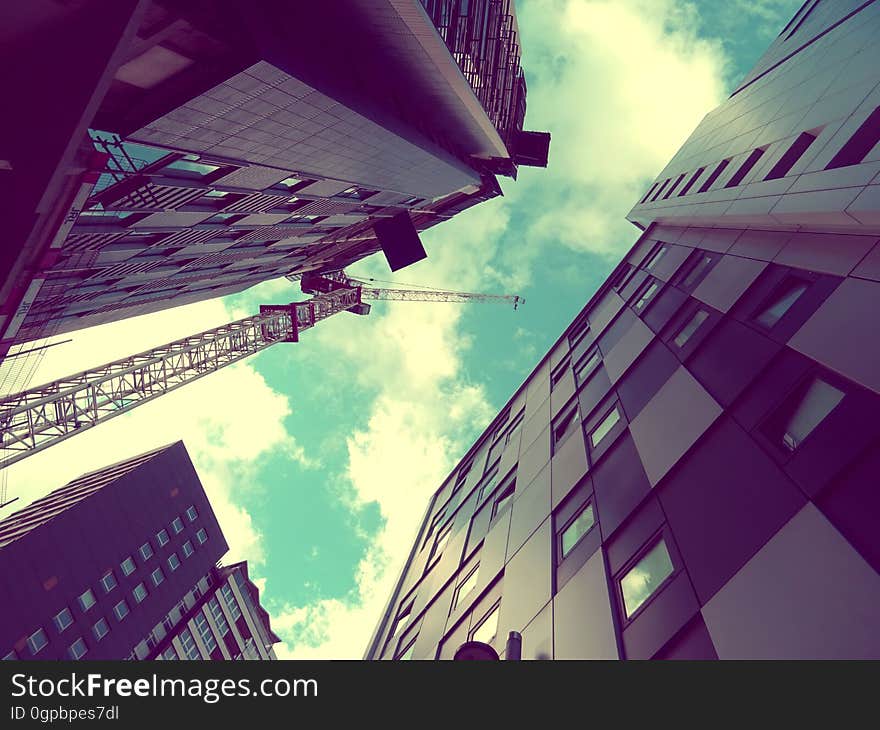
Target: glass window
x: 77, y: 649
x: 658, y: 254
x: 646, y: 295
x: 10, y: 656
x: 169, y: 654
x: 196, y: 169
x: 37, y: 641
x: 86, y: 600
x: 514, y: 429
x: 462, y: 476
x: 127, y: 566
x: 402, y: 618
x: 63, y: 619
x: 100, y: 629
x: 604, y: 427
x: 205, y: 631
x: 173, y: 562
x: 782, y: 299
x: 407, y: 654
x: 219, y: 618
x: 108, y: 581
x: 177, y: 525
x: 231, y: 603
x: 502, y: 500
x: 645, y: 577
x: 202, y: 536
x: 157, y: 576
x: 189, y: 645
x: 586, y: 366
x: 290, y: 182
x: 466, y: 586
x: 162, y: 537
x: 810, y: 407
x: 487, y: 628
x: 577, y: 528
x: 488, y: 486
x: 146, y: 551
x: 697, y: 271
x: 120, y: 610
x: 191, y: 513
x: 558, y: 373
x: 439, y: 544
x: 139, y: 592
x: 692, y: 325
x: 565, y: 426
x: 187, y: 549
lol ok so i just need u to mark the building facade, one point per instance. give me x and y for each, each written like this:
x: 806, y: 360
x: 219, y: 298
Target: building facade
x: 123, y: 563
x: 691, y: 471
x: 243, y: 141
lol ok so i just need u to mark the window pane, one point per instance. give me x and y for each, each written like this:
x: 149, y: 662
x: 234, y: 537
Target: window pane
x: 656, y: 257
x: 602, y: 430
x: 643, y: 300
x: 487, y: 630
x: 566, y: 426
x: 684, y: 334
x: 781, y: 301
x: 63, y: 619
x: 645, y: 577
x: 818, y: 401
x: 87, y: 600
x: 37, y: 640
x: 502, y: 500
x: 697, y: 271
x: 466, y: 587
x: 586, y: 367
x: 577, y: 529
x: 408, y: 654
x: 100, y: 629
x: 127, y: 566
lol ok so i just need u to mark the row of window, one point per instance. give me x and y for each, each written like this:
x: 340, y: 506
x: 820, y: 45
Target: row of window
x: 856, y: 148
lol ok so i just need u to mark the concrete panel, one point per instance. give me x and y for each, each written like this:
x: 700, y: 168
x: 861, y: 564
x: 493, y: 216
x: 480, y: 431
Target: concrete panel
x: 494, y: 551
x: 562, y: 393
x: 842, y: 333
x: 627, y: 349
x: 567, y: 466
x: 534, y: 458
x: 761, y: 245
x: 537, y: 637
x: 727, y: 281
x: 537, y: 418
x: 604, y: 312
x: 530, y: 509
x: 583, y: 627
x: 805, y: 595
x: 671, y: 422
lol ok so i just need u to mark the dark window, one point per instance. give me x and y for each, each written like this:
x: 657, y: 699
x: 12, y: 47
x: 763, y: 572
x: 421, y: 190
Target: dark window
x: 146, y: 551
x: 690, y: 183
x: 77, y: 649
x: 787, y: 292
x: 645, y: 293
x: 100, y: 629
x: 648, y: 194
x: 86, y: 599
x: 666, y: 182
x: 162, y: 537
x: 127, y: 566
x: 139, y: 592
x: 791, y: 156
x: 37, y: 641
x: 558, y: 373
x: 108, y: 581
x: 802, y: 412
x: 696, y: 269
x: 745, y: 168
x: 714, y: 176
x: 860, y: 144
x: 690, y: 327
x: 674, y: 186
x: 63, y: 619
x: 173, y: 562
x: 565, y: 425
x: 157, y: 576
x: 585, y: 367
x: 657, y: 254
x: 356, y: 193
x: 192, y: 513
x: 578, y: 330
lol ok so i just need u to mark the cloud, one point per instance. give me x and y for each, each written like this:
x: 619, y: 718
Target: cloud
x: 228, y: 421
x: 619, y: 85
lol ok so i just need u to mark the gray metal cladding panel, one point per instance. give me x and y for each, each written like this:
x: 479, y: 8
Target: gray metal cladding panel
x: 527, y: 581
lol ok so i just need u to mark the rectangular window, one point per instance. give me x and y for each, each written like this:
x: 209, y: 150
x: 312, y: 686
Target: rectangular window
x: 494, y: 453
x: 146, y: 551
x: 860, y: 144
x: 791, y: 156
x: 558, y: 373
x: 648, y: 194
x: 157, y: 576
x: 487, y: 628
x: 177, y: 526
x: 37, y: 641
x: 407, y: 654
x: 439, y: 545
x: 356, y: 193
x: 580, y: 525
x: 190, y: 168
x: 120, y: 610
x: 565, y: 426
x: 202, y: 536
x: 169, y: 654
x: 465, y: 587
x: 139, y: 592
x: 205, y: 632
x: 231, y: 603
x: 188, y: 643
x: 219, y: 618
x: 514, y: 428
x: 187, y: 549
x: 690, y: 183
x: 802, y: 412
x: 162, y: 538
x: 656, y: 195
x: 488, y: 486
x: 402, y: 618
x: 697, y: 270
x: 674, y: 186
x: 191, y: 513
x: 604, y: 427
x: 127, y: 566
x: 77, y: 649
x: 655, y: 257
x: 584, y: 369
x: 645, y: 577
x: 646, y: 294
x: 745, y: 168
x: 86, y: 599
x: 63, y: 619
x: 580, y: 328
x: 503, y: 499
x: 108, y: 582
x: 100, y: 629
x: 173, y: 562
x: 692, y: 325
x: 716, y: 173
x: 462, y: 476
x: 780, y: 301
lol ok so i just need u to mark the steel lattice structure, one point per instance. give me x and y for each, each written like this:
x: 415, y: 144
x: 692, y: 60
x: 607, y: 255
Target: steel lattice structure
x: 38, y: 418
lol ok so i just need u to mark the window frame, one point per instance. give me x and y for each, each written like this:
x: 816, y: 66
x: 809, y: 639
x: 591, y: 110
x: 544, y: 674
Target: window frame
x: 73, y: 654
x: 41, y: 632
x: 82, y: 604
x: 561, y: 553
x: 570, y: 417
x: 663, y: 534
x: 130, y: 561
x: 58, y: 623
x: 493, y: 609
x: 95, y: 633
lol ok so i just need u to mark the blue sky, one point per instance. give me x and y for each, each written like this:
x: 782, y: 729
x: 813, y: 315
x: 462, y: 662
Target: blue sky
x: 320, y: 457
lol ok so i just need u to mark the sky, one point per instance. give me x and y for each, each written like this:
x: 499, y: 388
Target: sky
x: 319, y: 458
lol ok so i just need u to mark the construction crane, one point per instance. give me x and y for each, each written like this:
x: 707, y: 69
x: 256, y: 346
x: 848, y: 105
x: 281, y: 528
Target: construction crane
x: 35, y: 419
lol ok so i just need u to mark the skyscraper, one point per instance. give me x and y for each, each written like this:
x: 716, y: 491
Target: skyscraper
x: 123, y: 563
x: 691, y: 470
x: 256, y: 139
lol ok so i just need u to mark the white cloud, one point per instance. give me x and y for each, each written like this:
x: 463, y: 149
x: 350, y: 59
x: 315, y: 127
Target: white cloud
x: 619, y: 85
x: 227, y: 420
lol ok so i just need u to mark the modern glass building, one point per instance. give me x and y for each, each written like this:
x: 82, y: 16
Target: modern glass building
x: 692, y: 469
x: 123, y: 563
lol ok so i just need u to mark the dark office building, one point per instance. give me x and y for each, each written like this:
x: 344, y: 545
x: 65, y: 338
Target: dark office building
x: 692, y: 470
x: 256, y: 139
x: 123, y: 563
